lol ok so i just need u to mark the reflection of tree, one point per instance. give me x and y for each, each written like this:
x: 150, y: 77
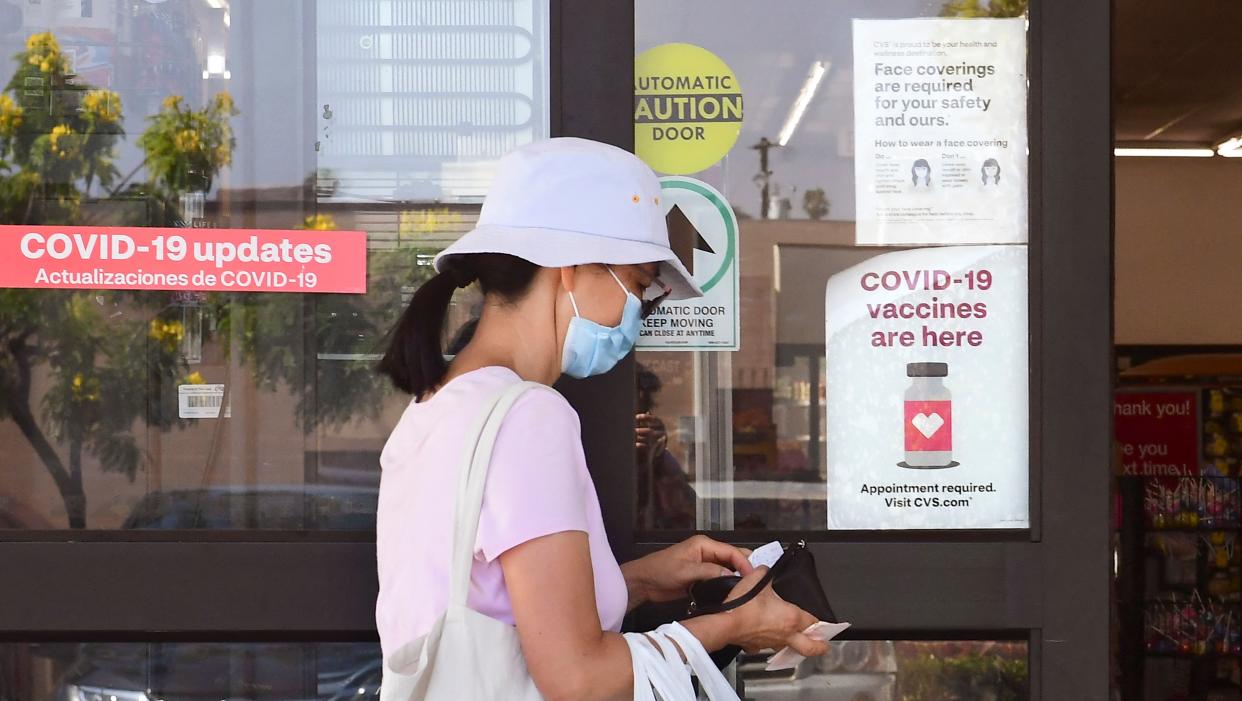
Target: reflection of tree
x: 110, y: 360
x: 55, y: 136
x: 266, y: 328
x: 984, y: 8
x: 970, y: 670
x: 93, y: 350
x: 99, y: 357
x: 815, y: 203
x: 185, y: 147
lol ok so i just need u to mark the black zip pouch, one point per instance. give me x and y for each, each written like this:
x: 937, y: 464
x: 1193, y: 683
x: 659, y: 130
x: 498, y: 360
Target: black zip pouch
x: 792, y: 576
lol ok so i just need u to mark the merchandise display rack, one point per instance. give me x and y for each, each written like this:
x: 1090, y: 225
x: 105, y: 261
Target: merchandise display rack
x: 1180, y: 548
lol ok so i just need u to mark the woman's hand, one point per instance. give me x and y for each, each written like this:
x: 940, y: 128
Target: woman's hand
x: 668, y: 574
x: 650, y: 437
x: 768, y: 621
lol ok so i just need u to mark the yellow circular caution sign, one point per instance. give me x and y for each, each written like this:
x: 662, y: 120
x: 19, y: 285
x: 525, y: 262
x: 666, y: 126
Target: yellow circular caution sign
x: 687, y: 108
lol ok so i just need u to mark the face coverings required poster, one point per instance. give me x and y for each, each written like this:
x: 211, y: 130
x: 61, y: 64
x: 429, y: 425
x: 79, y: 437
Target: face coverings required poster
x: 927, y: 390
x: 940, y: 131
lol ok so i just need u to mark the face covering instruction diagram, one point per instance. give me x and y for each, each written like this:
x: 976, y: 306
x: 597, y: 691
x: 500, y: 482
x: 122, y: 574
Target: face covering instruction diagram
x: 927, y: 365
x: 940, y: 131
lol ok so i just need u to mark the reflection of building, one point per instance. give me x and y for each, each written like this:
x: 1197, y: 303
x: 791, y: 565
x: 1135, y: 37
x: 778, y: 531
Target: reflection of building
x: 143, y: 51
x: 407, y: 109
x: 88, y: 34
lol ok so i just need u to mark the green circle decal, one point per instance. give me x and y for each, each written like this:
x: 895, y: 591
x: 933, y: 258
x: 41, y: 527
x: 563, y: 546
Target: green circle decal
x: 726, y: 213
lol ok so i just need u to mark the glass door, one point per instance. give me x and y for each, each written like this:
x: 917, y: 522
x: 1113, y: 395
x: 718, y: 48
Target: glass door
x: 867, y: 190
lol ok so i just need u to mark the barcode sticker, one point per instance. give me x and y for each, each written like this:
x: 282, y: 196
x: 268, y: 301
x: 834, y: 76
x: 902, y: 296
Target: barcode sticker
x: 200, y: 401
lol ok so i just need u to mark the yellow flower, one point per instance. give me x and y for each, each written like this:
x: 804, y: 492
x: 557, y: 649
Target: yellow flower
x: 172, y: 102
x: 223, y: 155
x: 61, y: 140
x: 187, y: 140
x: 320, y: 222
x: 195, y: 378
x: 44, y: 52
x: 44, y: 40
x: 428, y: 221
x: 10, y: 115
x: 169, y: 332
x: 224, y: 101
x: 102, y: 104
x: 87, y: 390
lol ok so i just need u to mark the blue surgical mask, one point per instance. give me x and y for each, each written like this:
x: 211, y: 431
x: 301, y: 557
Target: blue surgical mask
x: 594, y: 349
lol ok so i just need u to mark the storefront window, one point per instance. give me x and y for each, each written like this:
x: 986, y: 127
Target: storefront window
x: 164, y: 671
x: 875, y: 670
x: 236, y: 410
x: 849, y: 181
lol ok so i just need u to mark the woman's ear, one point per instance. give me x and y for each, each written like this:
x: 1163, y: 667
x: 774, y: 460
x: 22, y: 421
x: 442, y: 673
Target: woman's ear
x: 567, y: 277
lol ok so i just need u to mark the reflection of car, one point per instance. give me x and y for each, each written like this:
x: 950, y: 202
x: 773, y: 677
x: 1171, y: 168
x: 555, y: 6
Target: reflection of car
x: 288, y: 507
x: 853, y: 670
x: 16, y: 514
x: 257, y: 671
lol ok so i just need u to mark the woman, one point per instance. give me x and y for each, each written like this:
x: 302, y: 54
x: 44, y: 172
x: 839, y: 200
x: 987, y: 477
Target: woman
x: 570, y: 252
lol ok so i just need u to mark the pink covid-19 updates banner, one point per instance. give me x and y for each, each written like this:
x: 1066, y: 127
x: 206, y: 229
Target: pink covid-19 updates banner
x: 140, y: 258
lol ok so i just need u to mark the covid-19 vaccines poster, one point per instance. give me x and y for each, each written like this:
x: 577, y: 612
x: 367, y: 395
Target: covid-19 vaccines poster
x: 927, y: 394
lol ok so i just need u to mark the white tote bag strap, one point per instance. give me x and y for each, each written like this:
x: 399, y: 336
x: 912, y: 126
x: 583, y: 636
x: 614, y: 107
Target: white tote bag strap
x: 639, y: 662
x: 675, y: 671
x: 473, y: 478
x: 655, y: 677
x: 658, y: 666
x: 713, y: 682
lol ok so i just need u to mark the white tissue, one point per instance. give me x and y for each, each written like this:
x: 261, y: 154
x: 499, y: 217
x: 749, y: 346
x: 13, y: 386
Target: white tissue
x: 766, y: 555
x: 788, y: 659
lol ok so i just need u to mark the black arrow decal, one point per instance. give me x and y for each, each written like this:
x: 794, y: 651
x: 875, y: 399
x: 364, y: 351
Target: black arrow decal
x: 682, y: 236
x: 702, y: 244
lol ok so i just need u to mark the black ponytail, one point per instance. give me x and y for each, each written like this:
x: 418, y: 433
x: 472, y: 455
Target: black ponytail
x: 415, y: 356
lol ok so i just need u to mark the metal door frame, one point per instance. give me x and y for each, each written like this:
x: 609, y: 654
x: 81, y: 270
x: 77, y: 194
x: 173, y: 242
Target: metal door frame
x: 1051, y: 584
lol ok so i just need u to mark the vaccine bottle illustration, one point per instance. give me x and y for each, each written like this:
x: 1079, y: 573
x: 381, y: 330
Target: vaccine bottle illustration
x: 929, y: 416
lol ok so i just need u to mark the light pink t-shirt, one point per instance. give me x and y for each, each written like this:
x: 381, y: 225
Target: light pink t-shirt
x: 537, y: 485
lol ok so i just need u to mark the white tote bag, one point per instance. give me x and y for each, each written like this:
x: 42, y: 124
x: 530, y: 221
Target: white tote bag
x: 466, y: 656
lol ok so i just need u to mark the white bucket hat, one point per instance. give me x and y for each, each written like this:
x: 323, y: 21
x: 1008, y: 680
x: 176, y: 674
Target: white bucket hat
x: 568, y: 201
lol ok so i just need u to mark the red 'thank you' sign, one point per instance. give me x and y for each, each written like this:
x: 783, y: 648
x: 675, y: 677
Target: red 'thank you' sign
x: 139, y: 258
x: 1157, y: 432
